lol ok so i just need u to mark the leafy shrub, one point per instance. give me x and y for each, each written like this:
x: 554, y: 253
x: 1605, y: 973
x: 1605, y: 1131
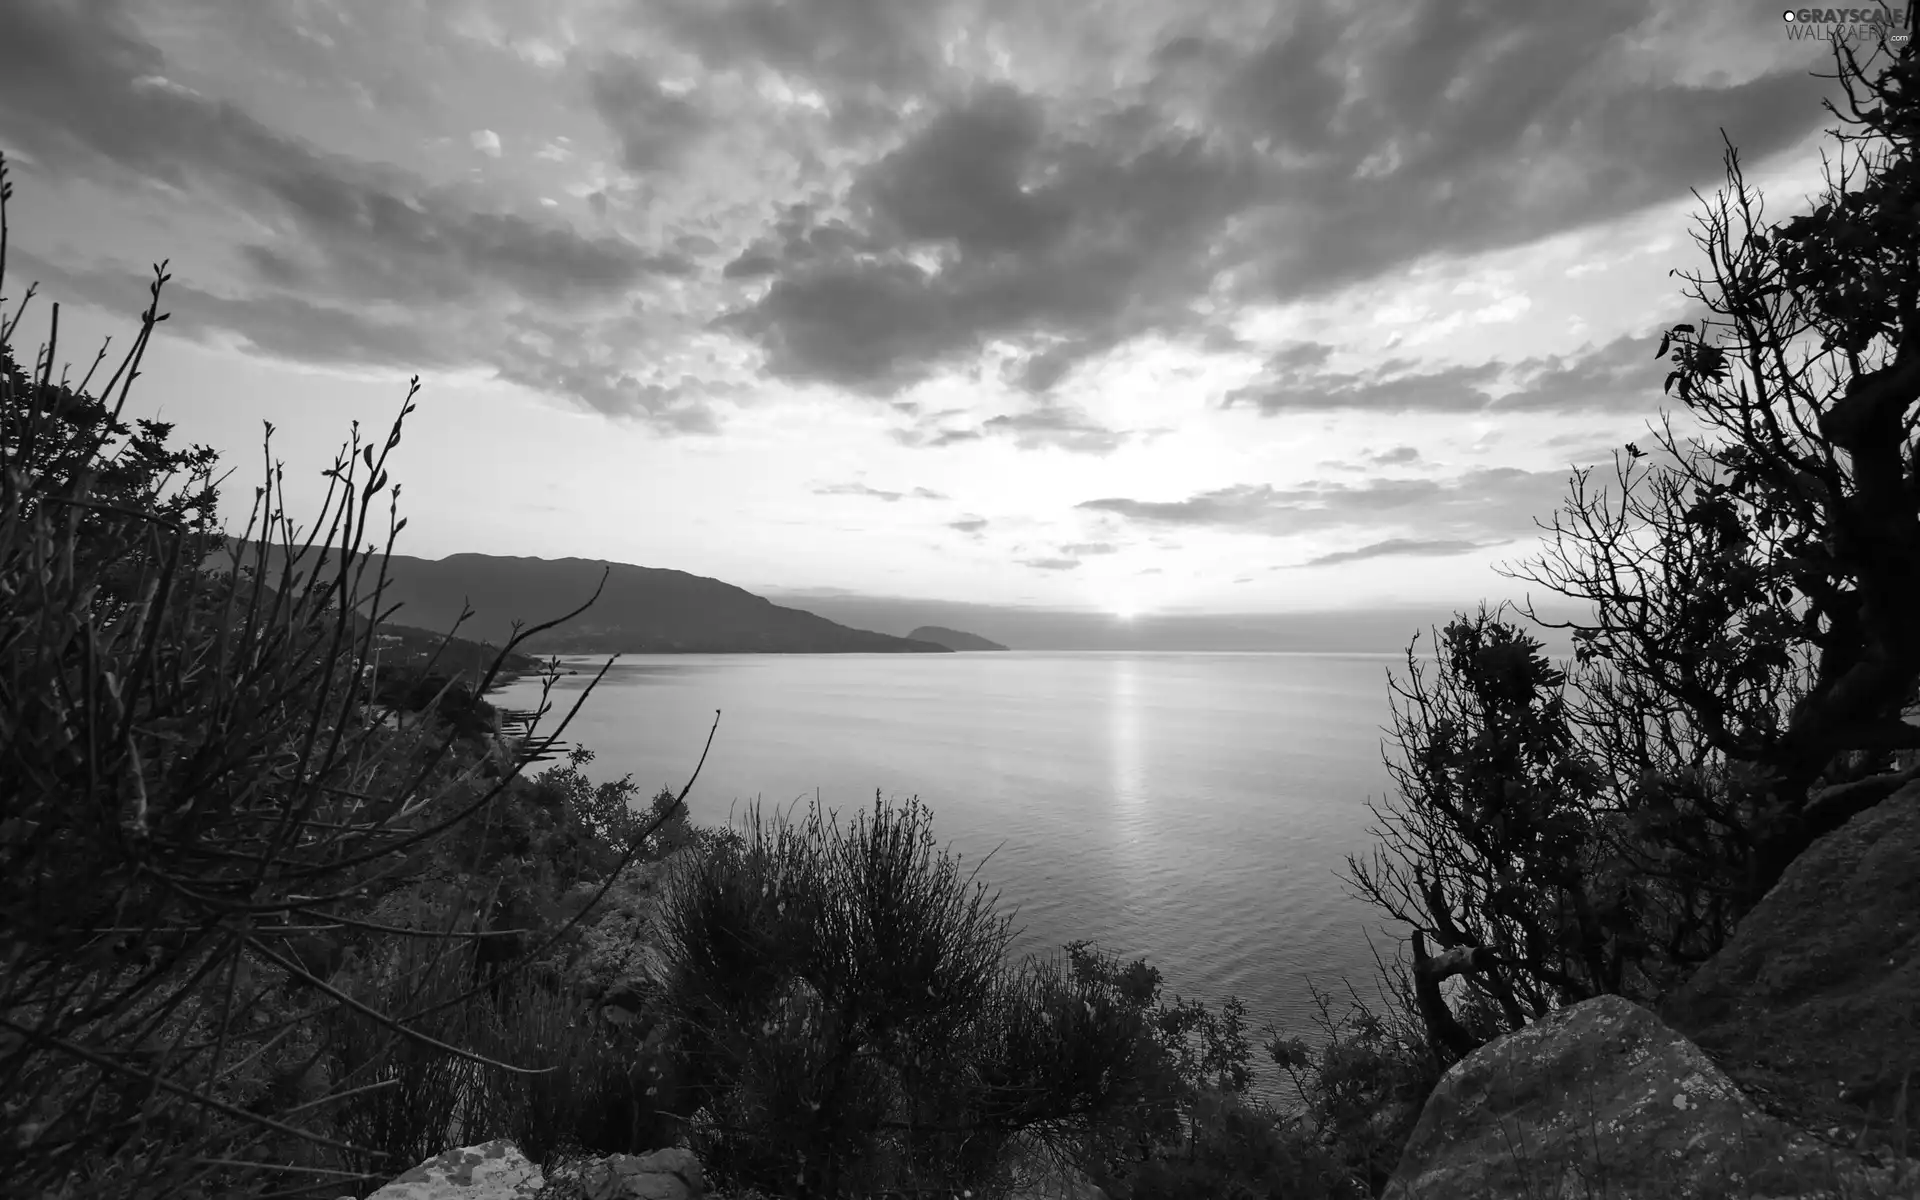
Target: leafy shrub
x: 848, y: 1022
x: 813, y: 971
x: 606, y: 808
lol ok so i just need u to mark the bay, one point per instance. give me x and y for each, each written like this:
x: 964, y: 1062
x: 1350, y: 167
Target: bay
x: 1191, y: 808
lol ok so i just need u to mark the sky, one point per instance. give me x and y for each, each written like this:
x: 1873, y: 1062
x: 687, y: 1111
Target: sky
x: 1127, y: 306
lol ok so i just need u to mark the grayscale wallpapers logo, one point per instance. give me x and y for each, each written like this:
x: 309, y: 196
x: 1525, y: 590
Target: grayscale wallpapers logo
x: 1847, y: 24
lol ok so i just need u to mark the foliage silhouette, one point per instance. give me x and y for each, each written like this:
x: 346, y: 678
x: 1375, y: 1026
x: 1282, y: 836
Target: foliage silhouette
x: 1739, y: 687
x: 200, y: 799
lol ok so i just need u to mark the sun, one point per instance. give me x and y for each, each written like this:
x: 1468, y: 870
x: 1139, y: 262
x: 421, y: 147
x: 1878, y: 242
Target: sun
x: 1125, y: 612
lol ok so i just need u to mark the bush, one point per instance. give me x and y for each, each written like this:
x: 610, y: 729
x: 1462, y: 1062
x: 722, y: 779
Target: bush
x: 606, y: 809
x: 848, y: 1022
x: 815, y: 973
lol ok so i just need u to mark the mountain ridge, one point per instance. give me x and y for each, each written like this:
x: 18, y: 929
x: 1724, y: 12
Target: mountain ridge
x: 641, y: 610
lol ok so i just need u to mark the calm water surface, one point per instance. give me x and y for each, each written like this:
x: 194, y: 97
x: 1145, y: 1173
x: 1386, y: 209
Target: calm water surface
x: 1192, y: 808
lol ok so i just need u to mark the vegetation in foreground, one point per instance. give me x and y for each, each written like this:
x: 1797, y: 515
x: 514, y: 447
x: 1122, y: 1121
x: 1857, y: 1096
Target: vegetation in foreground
x: 260, y: 939
x: 285, y: 914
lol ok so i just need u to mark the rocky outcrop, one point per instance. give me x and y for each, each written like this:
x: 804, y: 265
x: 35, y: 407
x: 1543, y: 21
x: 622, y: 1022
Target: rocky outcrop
x: 1787, y: 1066
x: 1602, y: 1099
x: 1813, y: 1007
x: 497, y: 1170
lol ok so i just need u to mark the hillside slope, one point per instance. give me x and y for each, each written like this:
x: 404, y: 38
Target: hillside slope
x: 642, y: 610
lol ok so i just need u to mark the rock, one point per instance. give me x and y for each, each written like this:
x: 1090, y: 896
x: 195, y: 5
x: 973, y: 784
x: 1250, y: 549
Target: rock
x: 1813, y: 1006
x: 1602, y: 1099
x: 672, y: 1174
x: 494, y: 1170
x: 497, y: 1170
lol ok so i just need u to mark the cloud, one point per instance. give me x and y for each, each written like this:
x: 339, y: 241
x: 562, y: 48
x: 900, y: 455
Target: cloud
x: 969, y: 525
x: 353, y: 257
x: 1619, y: 377
x: 996, y: 220
x: 1394, y: 547
x: 934, y: 438
x: 1046, y: 425
x: 68, y: 92
x: 1298, y: 355
x: 1487, y: 502
x: 861, y: 489
x: 907, y: 189
x: 277, y: 324
x: 682, y: 405
x: 1328, y: 148
x: 1057, y: 427
x: 1069, y: 557
x: 862, y: 56
x: 652, y: 124
x: 1399, y: 456
x: 1441, y: 129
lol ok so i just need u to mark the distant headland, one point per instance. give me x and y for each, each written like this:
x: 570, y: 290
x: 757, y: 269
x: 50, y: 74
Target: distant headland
x: 952, y: 639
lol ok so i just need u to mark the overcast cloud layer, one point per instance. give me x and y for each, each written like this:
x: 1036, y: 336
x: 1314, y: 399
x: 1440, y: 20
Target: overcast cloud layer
x: 1102, y: 291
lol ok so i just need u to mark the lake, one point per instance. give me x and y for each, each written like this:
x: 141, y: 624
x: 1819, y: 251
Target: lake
x: 1193, y: 808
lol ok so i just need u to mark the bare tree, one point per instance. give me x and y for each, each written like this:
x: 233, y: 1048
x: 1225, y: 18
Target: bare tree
x: 1753, y: 639
x: 1755, y: 635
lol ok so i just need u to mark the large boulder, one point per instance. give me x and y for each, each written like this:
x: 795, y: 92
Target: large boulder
x: 1813, y: 1007
x: 495, y: 1170
x: 1602, y: 1099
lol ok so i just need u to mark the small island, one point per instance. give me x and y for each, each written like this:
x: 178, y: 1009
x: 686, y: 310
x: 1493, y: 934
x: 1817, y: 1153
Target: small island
x: 952, y: 639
